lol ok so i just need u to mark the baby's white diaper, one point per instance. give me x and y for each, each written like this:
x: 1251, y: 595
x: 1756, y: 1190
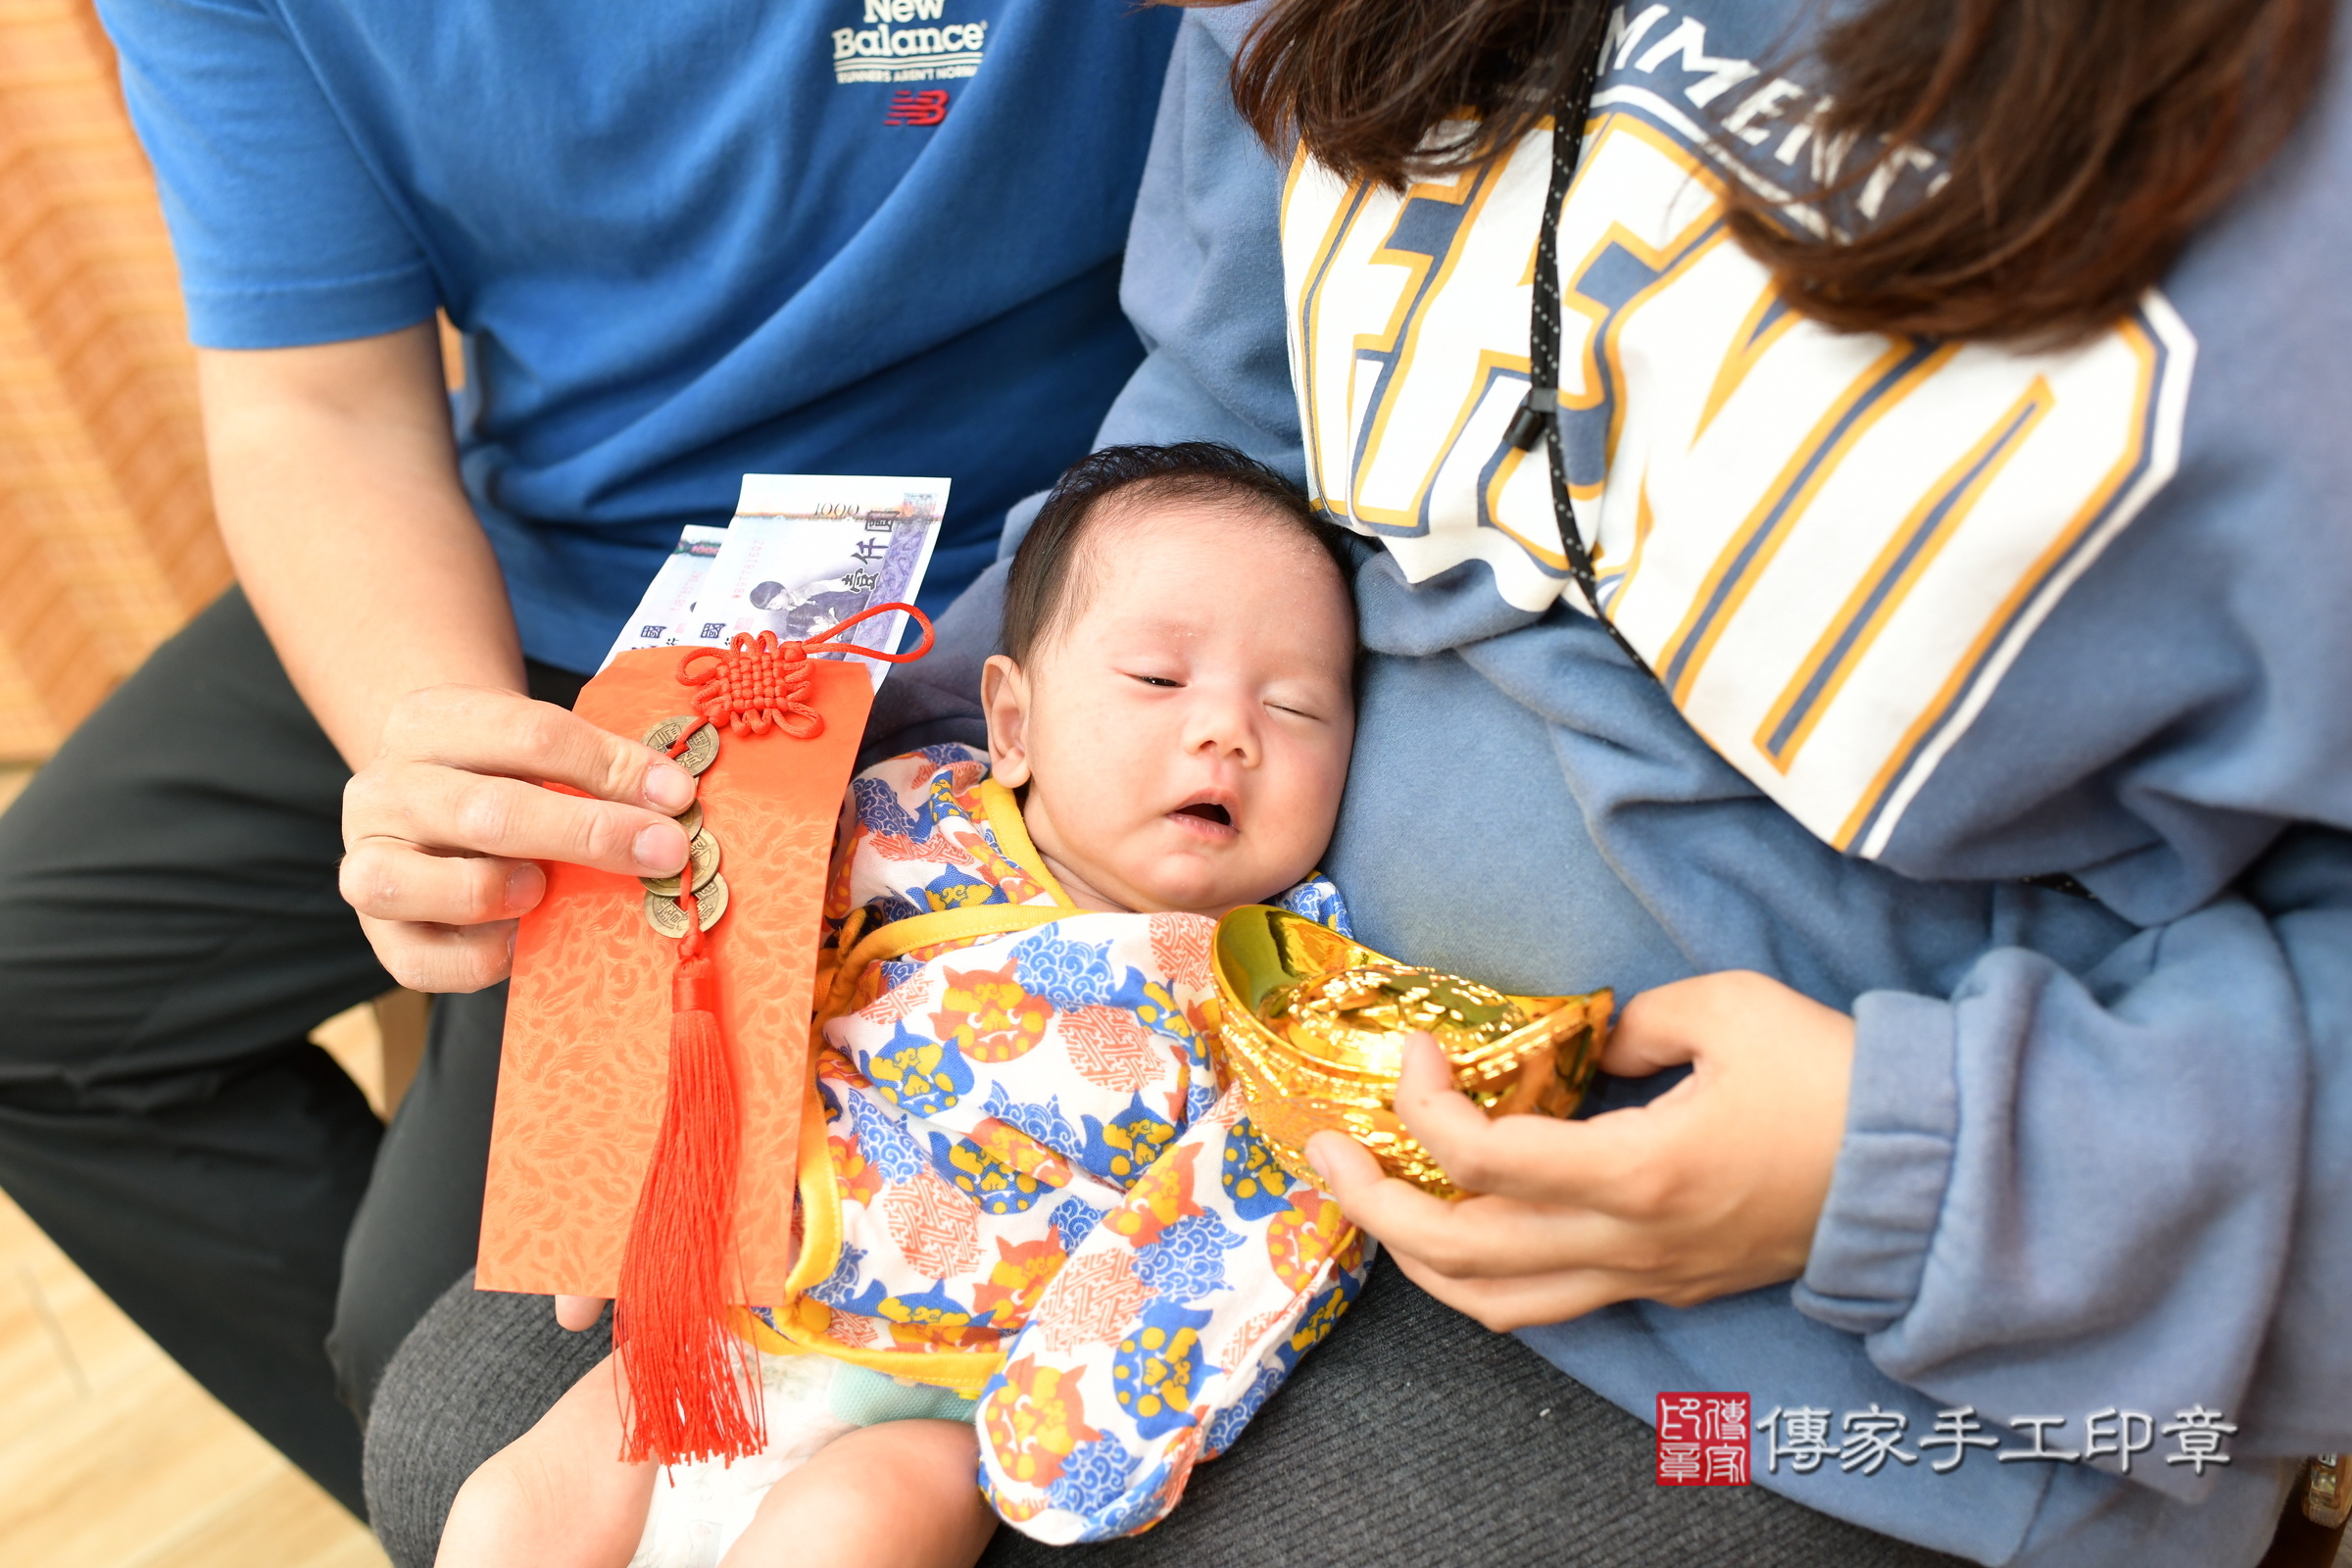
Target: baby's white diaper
x: 700, y: 1509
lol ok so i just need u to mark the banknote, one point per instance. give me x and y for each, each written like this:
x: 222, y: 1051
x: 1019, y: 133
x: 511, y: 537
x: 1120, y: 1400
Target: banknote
x: 803, y: 552
x: 664, y: 616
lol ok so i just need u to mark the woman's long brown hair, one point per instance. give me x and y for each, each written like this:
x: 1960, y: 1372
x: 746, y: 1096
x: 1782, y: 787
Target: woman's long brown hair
x: 2084, y: 139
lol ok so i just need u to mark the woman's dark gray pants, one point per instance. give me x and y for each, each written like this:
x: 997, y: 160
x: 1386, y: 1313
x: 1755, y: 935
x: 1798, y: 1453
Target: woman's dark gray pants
x: 1410, y: 1439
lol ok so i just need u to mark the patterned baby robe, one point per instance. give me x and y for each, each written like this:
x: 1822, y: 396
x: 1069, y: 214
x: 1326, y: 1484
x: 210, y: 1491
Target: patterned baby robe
x: 1032, y: 1184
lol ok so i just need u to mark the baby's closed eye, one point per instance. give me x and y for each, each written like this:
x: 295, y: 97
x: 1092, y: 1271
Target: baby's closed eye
x: 1309, y: 700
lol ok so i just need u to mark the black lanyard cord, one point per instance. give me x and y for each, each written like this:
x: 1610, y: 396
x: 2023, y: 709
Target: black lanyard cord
x: 1539, y: 415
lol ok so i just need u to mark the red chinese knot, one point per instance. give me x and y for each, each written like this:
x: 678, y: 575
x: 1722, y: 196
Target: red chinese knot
x: 755, y: 685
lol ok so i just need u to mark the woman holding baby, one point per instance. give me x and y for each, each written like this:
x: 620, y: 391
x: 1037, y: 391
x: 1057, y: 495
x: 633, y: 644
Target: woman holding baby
x: 1854, y: 561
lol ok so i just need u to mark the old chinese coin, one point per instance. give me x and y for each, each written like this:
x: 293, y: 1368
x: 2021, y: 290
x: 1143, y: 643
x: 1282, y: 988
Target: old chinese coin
x: 666, y: 918
x: 701, y: 750
x: 690, y: 820
x: 702, y: 859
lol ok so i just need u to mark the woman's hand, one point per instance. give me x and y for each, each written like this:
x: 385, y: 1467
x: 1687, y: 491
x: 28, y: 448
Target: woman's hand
x: 443, y: 830
x: 1714, y: 1187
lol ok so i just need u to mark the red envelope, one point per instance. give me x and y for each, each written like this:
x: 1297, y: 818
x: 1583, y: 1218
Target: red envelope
x: 601, y: 1005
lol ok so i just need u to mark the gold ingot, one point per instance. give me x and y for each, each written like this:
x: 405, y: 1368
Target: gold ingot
x: 1314, y: 1026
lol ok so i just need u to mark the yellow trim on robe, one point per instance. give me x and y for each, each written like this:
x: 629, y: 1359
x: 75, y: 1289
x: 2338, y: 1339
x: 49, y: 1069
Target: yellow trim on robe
x: 1003, y: 809
x: 799, y: 1322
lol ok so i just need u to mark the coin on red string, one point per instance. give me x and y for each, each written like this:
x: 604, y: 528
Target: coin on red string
x: 702, y: 859
x: 702, y: 745
x: 666, y: 918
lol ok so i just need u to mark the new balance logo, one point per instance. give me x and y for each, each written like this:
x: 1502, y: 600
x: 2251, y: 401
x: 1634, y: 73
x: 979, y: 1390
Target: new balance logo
x: 927, y: 108
x: 888, y: 50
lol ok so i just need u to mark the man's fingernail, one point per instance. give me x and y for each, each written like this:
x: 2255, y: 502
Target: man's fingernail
x: 668, y: 788
x: 526, y: 884
x: 661, y: 849
x: 1314, y: 1159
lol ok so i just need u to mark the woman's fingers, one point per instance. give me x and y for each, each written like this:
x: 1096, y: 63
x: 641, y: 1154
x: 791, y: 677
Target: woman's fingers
x: 1344, y: 1165
x: 429, y: 807
x: 1504, y: 1305
x: 1398, y: 1213
x: 1533, y: 1158
x: 1715, y: 1187
x: 1429, y: 1103
x: 1671, y: 1024
x: 1659, y: 1028
x: 1473, y: 1237
x: 442, y: 958
x: 480, y: 729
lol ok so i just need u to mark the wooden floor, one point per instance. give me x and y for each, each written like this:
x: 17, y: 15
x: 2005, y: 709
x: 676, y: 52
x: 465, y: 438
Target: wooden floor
x: 113, y: 1457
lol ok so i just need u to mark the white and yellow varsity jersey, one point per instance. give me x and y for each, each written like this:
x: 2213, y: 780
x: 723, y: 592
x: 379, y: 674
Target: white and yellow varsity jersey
x: 1830, y: 546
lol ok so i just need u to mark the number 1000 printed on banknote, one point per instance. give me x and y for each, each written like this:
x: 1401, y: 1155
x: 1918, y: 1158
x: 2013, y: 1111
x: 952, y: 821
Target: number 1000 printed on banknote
x: 803, y: 552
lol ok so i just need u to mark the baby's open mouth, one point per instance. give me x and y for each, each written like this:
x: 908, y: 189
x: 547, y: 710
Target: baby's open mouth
x: 1208, y: 811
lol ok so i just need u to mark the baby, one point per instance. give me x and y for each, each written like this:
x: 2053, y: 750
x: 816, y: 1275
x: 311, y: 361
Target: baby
x: 1039, y: 1242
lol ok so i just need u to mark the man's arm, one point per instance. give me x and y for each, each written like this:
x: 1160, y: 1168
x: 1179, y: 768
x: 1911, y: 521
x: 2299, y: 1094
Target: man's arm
x: 335, y: 476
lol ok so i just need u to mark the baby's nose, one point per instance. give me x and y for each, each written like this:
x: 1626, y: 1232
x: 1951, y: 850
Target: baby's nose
x: 1226, y: 728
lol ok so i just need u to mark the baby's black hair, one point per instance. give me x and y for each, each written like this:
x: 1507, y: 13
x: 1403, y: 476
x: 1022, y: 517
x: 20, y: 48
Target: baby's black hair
x: 1043, y: 586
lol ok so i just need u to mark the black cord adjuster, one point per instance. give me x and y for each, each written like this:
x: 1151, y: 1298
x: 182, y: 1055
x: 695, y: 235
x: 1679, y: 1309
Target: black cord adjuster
x: 1536, y: 411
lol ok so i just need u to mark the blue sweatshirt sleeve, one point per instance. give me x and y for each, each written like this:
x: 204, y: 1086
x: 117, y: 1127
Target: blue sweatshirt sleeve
x: 2055, y: 1187
x: 1203, y: 283
x: 1202, y: 287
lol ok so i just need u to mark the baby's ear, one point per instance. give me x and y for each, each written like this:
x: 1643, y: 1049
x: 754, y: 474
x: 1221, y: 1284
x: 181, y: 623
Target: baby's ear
x: 1005, y: 698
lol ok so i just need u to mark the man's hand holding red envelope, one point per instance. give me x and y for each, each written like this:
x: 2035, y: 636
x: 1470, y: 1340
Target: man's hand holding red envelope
x: 445, y: 829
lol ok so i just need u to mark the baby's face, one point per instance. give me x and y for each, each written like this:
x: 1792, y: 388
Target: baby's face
x: 1185, y: 736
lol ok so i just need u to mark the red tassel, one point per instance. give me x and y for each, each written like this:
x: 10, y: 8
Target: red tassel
x: 691, y: 1384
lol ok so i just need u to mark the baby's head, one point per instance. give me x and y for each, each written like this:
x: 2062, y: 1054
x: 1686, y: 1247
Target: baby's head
x: 1176, y: 690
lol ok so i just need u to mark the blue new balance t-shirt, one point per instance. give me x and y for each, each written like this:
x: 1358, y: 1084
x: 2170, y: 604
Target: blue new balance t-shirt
x: 684, y: 242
